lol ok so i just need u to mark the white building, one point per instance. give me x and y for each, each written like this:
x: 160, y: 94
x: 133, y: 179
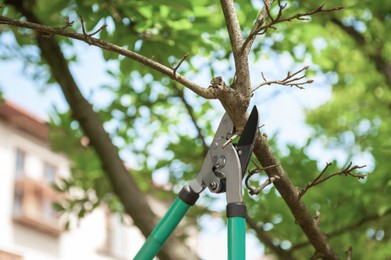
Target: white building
x: 29, y: 227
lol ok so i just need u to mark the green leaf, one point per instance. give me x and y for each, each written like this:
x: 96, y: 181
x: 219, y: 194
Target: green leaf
x: 383, y: 209
x: 58, y: 207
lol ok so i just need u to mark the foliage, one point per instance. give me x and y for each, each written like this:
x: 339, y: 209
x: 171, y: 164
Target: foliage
x: 356, y: 121
x: 149, y: 121
x: 146, y: 117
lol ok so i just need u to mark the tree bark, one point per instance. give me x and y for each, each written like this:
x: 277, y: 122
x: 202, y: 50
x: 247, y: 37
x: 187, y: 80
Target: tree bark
x: 124, y: 185
x: 290, y: 194
x: 262, y: 149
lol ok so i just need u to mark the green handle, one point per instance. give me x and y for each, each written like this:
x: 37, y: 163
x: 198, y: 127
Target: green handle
x: 236, y: 238
x: 163, y: 230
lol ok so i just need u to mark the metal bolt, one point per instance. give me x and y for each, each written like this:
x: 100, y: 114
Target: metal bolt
x: 215, y: 186
x: 219, y: 174
x: 218, y: 161
x: 214, y: 160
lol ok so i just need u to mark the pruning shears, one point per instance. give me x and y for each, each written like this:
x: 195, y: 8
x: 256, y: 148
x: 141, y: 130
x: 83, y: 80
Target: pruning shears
x: 222, y: 171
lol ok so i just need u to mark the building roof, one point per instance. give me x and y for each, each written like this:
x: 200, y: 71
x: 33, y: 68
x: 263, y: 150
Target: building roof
x: 21, y: 119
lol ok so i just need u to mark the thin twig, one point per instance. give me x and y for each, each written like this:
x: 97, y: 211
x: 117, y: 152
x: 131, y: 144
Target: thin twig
x: 230, y: 139
x: 263, y: 185
x: 258, y: 23
x: 67, y: 23
x: 348, y: 170
x: 261, y: 26
x: 349, y: 253
x: 320, y: 175
x: 174, y: 69
x: 100, y: 29
x: 83, y: 27
x: 316, y: 218
x: 299, y: 16
x: 289, y: 80
x: 88, y: 35
x: 258, y: 169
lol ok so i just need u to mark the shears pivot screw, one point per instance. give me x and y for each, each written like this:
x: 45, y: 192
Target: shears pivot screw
x: 215, y: 186
x: 218, y: 161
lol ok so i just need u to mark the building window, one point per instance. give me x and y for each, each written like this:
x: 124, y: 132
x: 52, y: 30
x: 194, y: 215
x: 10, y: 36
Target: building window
x: 20, y: 164
x: 33, y: 199
x: 114, y: 242
x: 18, y: 201
x: 50, y: 173
x: 48, y: 210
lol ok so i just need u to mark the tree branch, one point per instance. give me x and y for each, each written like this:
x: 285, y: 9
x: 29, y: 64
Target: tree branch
x: 290, y: 194
x: 246, y: 47
x: 86, y: 35
x: 123, y: 183
x: 233, y: 26
x: 289, y: 80
x: 348, y: 228
x: 258, y: 169
x: 349, y: 253
x: 346, y: 171
x: 300, y: 16
x: 358, y: 38
x: 242, y: 80
x: 67, y: 23
x: 261, y: 26
x: 382, y: 65
x: 262, y: 186
x: 192, y: 115
x: 174, y: 69
x: 234, y: 101
x: 50, y: 30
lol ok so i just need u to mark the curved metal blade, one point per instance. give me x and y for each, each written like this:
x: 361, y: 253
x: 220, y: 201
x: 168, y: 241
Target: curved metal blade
x: 245, y: 145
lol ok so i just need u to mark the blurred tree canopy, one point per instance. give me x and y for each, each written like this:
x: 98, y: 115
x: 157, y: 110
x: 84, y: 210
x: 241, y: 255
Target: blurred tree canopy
x: 165, y: 129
